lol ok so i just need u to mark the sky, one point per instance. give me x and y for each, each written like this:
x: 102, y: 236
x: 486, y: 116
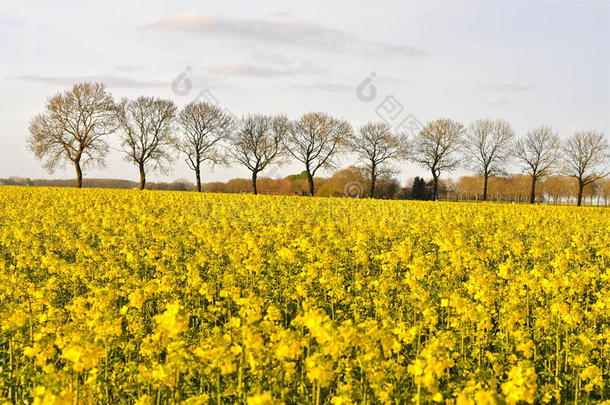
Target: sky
x: 402, y: 62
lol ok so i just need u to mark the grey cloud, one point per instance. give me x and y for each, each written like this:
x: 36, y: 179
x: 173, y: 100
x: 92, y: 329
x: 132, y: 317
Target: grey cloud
x: 506, y: 86
x: 252, y: 70
x: 127, y: 67
x: 389, y: 79
x: 325, y: 86
x: 244, y: 69
x: 263, y: 55
x: 281, y: 13
x: 288, y: 33
x: 220, y: 26
x: 309, y: 68
x: 108, y: 80
x: 381, y: 49
x: 498, y: 101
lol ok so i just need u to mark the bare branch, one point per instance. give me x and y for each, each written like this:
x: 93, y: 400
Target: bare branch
x: 258, y: 142
x: 204, y: 128
x: 436, y: 147
x: 586, y: 156
x: 538, y: 154
x: 74, y: 128
x: 377, y: 147
x: 316, y: 140
x: 147, y: 125
x: 487, y: 145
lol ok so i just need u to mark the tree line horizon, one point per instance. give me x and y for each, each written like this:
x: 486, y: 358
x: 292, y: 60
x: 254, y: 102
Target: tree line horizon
x: 153, y: 133
x: 554, y: 189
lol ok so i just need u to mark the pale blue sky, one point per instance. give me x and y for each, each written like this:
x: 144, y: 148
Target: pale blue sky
x: 531, y: 63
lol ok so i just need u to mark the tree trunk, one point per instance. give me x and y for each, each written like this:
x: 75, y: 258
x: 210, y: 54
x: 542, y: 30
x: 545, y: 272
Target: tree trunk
x: 485, y: 179
x: 533, y: 190
x: 373, y: 181
x: 434, y: 186
x: 254, y: 189
x: 581, y: 187
x: 79, y: 174
x: 198, y: 178
x: 142, y: 177
x: 312, y: 187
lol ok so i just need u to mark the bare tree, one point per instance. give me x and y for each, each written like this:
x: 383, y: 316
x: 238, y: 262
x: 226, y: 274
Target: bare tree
x: 204, y: 127
x: 315, y: 140
x: 488, y: 144
x: 538, y: 154
x: 586, y: 158
x: 376, y: 147
x: 436, y: 148
x: 74, y: 128
x: 147, y: 124
x: 258, y: 142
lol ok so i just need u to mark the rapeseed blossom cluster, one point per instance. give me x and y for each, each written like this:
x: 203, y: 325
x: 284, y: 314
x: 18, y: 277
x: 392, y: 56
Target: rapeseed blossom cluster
x: 113, y: 296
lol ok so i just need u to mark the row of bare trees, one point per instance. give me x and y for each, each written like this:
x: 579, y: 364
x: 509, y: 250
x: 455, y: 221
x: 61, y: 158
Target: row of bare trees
x: 487, y: 146
x: 77, y: 124
x: 555, y: 189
